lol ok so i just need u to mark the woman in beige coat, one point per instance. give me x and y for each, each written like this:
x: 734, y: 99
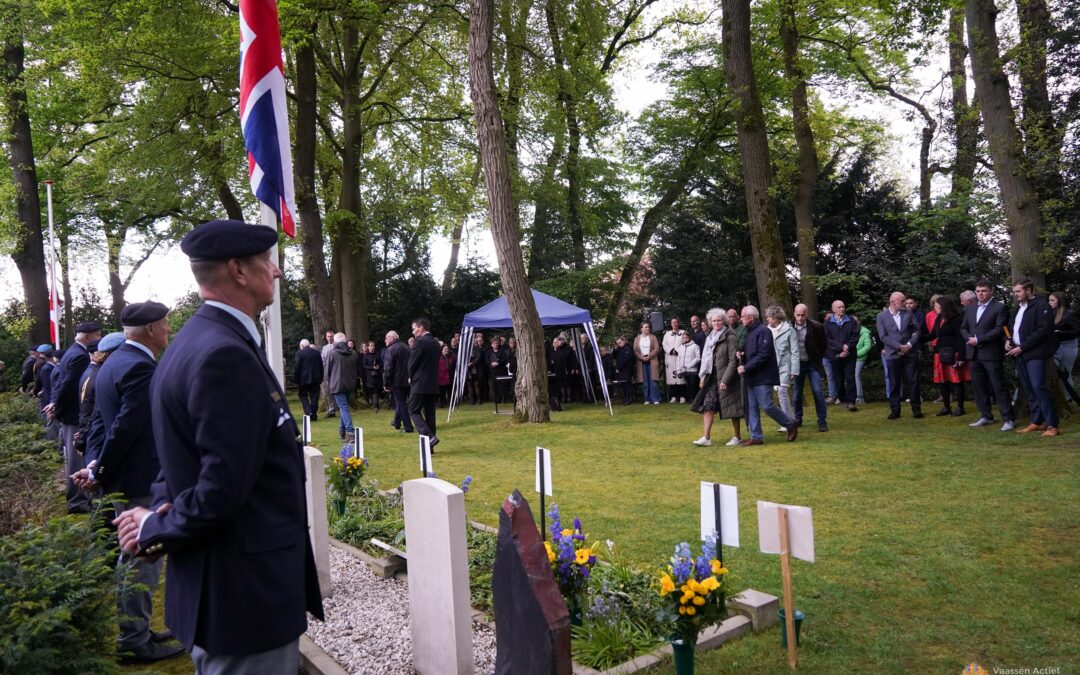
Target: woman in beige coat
x: 721, y: 393
x: 647, y: 371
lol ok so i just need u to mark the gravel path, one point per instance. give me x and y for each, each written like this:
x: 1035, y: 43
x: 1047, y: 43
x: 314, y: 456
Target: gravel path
x: 367, y: 622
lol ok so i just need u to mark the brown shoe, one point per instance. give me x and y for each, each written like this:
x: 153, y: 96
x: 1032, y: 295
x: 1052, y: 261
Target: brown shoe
x: 1031, y: 427
x: 792, y: 431
x: 1051, y: 431
x: 751, y: 441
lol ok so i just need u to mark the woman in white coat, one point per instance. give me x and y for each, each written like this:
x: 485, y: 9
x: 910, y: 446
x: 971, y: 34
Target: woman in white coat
x: 786, y: 344
x: 686, y: 366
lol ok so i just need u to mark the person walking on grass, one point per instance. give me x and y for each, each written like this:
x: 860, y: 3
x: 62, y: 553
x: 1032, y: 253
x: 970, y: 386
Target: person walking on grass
x: 720, y: 394
x: 761, y: 374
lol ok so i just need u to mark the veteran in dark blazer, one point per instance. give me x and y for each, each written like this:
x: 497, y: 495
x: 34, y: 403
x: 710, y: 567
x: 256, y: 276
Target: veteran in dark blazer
x: 308, y: 375
x: 230, y: 507
x: 424, y: 379
x: 64, y: 407
x: 983, y: 330
x: 396, y: 380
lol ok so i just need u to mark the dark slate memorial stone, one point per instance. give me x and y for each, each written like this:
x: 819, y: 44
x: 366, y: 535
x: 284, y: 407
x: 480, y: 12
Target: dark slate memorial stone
x: 532, y: 624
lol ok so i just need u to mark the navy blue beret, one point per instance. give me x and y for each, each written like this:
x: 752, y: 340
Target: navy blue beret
x: 92, y: 347
x: 142, y: 313
x: 224, y: 239
x: 57, y: 353
x: 88, y: 327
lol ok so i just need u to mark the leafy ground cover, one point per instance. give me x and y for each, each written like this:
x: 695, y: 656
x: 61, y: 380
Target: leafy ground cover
x: 938, y: 545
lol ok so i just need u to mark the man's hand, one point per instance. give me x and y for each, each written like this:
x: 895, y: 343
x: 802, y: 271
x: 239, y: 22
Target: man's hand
x: 81, y: 478
x: 127, y: 526
x: 973, y: 341
x: 1015, y: 351
x: 49, y: 410
x: 742, y: 369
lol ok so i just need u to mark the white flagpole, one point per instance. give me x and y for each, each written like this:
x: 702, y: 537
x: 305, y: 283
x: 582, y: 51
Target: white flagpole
x: 54, y: 305
x: 271, y: 316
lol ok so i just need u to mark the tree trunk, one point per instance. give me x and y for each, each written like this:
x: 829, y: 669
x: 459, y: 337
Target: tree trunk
x: 514, y: 17
x: 1023, y: 216
x: 228, y: 200
x: 113, y: 244
x: 62, y: 238
x: 807, y: 158
x: 540, y: 262
x: 313, y: 259
x: 28, y: 250
x: 459, y: 229
x: 772, y: 285
x: 531, y: 389
x: 965, y: 120
x: 1042, y: 140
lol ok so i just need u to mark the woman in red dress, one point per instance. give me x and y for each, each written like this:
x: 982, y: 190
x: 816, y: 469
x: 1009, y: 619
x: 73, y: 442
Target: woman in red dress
x: 950, y: 369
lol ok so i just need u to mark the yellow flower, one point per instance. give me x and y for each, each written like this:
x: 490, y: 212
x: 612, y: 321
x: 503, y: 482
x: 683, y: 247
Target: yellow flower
x: 699, y: 601
x: 694, y: 585
x: 550, y: 552
x: 710, y: 584
x: 682, y: 610
x: 690, y: 611
x: 666, y: 585
x: 583, y: 555
x: 567, y: 533
x: 686, y: 598
x: 716, y: 566
x: 685, y: 589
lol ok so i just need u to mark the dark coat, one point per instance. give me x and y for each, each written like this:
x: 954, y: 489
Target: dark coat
x: 815, y: 342
x: 371, y: 370
x: 760, y: 362
x: 307, y: 366
x: 726, y: 370
x: 396, y: 365
x: 1037, y: 339
x: 838, y: 335
x: 43, y: 386
x: 87, y: 405
x: 241, y: 573
x: 990, y: 331
x: 500, y: 357
x: 127, y: 461
x: 341, y: 369
x: 66, y: 395
x: 946, y: 335
x: 1069, y: 326
x: 424, y: 366
x: 562, y: 361
x: 624, y: 364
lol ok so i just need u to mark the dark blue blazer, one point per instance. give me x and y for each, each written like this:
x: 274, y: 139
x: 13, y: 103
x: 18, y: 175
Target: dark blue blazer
x: 241, y: 573
x: 761, y: 366
x: 45, y: 379
x: 126, y: 459
x: 66, y: 395
x: 307, y: 366
x: 1037, y: 339
x: 424, y: 366
x: 990, y: 331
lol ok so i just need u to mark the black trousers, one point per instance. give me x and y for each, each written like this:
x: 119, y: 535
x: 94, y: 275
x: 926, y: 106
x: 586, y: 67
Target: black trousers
x: 309, y: 399
x: 401, y: 408
x: 422, y: 411
x: 904, y: 381
x: 988, y: 377
x: 843, y: 373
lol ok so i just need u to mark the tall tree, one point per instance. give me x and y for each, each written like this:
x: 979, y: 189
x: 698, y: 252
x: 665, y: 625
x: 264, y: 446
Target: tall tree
x: 965, y: 119
x: 772, y: 285
x: 1023, y: 216
x: 531, y: 387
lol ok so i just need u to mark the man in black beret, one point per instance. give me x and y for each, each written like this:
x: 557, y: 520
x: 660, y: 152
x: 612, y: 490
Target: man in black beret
x: 229, y: 505
x: 64, y: 408
x: 122, y: 459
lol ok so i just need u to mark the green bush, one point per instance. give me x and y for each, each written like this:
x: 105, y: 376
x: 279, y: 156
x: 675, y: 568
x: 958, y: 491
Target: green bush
x: 57, y: 600
x: 607, y: 641
x: 369, y: 514
x: 29, y: 465
x: 482, y: 546
x: 15, y: 407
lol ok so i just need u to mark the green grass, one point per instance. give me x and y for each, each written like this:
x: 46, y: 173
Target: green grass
x: 937, y: 545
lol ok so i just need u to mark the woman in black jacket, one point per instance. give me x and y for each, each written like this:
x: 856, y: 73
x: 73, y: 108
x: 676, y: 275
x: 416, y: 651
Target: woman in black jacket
x: 950, y: 369
x: 1067, y: 329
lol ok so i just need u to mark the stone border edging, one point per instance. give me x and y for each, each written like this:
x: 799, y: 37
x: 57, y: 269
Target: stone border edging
x: 315, y: 661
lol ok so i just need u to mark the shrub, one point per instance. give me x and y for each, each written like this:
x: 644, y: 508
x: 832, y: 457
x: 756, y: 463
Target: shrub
x: 28, y: 465
x: 57, y: 600
x: 15, y: 407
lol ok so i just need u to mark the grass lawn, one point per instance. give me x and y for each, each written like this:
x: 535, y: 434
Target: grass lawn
x: 937, y: 545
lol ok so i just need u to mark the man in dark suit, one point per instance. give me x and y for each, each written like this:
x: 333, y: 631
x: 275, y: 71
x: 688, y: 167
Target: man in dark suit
x: 761, y: 373
x: 229, y: 504
x: 126, y: 463
x: 983, y: 329
x: 65, y: 408
x: 396, y: 380
x: 898, y: 330
x: 841, y: 338
x: 308, y: 375
x: 1032, y: 343
x: 424, y: 379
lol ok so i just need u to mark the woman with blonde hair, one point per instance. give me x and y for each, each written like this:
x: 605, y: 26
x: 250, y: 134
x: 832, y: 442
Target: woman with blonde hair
x: 720, y: 393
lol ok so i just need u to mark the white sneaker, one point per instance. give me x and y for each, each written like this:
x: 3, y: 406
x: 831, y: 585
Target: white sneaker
x: 981, y: 422
x: 735, y: 440
x: 656, y: 402
x: 672, y: 400
x: 781, y: 430
x: 703, y: 442
x: 1008, y: 426
x: 682, y: 399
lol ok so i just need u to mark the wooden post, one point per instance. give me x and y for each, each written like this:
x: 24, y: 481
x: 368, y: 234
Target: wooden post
x: 789, y: 599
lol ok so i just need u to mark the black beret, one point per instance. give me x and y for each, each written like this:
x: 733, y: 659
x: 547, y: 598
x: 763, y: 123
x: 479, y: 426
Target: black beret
x: 224, y: 239
x: 92, y: 347
x: 88, y: 327
x: 142, y: 313
x: 57, y: 353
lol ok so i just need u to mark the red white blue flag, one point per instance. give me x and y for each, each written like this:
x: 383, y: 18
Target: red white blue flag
x: 263, y: 115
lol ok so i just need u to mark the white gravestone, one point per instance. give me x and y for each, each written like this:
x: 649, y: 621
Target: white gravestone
x: 318, y: 528
x: 438, y: 577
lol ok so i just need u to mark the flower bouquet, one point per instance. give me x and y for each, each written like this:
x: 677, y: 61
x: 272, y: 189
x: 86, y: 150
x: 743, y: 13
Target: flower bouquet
x: 694, y: 592
x: 571, y: 562
x: 345, y: 473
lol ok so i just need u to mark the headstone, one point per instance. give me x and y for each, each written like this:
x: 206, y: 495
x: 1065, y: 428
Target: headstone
x: 439, y: 610
x: 318, y: 528
x: 760, y: 607
x: 532, y: 623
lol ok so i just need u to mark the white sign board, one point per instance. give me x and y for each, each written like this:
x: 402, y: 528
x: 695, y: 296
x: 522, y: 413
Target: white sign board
x: 358, y: 442
x: 543, y: 471
x: 729, y: 513
x: 307, y: 430
x: 800, y: 529
x: 425, y: 456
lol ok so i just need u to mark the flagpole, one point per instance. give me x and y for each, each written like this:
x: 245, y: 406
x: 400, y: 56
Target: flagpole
x: 54, y: 323
x: 271, y: 317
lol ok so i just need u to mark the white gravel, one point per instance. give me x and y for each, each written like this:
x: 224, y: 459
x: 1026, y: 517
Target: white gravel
x: 367, y: 622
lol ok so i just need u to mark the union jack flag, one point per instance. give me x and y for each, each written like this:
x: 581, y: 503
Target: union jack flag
x: 263, y: 116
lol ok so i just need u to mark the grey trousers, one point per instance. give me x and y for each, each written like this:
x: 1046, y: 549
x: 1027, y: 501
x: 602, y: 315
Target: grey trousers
x: 283, y: 660
x: 134, y: 602
x: 73, y: 462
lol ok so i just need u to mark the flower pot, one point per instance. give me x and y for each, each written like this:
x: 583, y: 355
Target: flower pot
x: 799, y: 616
x: 683, y: 651
x: 575, y: 616
x: 339, y: 506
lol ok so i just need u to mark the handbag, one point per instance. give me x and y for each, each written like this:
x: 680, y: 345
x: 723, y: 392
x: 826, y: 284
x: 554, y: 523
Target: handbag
x: 947, y: 355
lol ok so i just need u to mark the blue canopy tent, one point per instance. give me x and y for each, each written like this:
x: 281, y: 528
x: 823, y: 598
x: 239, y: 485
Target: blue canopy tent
x: 553, y: 312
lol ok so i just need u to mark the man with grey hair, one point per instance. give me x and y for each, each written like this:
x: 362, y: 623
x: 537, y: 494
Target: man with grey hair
x: 331, y: 407
x: 761, y: 373
x: 396, y: 380
x: 64, y: 408
x: 811, y: 336
x: 898, y: 329
x: 967, y: 299
x: 308, y: 375
x: 341, y: 370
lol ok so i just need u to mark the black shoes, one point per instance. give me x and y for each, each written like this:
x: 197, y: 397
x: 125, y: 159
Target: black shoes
x: 917, y: 414
x: 823, y: 427
x: 894, y: 415
x: 151, y: 651
x: 163, y: 636
x: 959, y: 412
x: 943, y: 412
